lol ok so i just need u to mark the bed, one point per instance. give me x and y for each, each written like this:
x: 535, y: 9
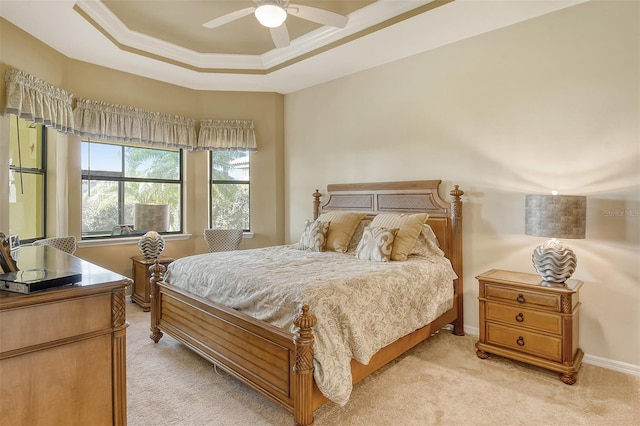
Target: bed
x: 277, y: 358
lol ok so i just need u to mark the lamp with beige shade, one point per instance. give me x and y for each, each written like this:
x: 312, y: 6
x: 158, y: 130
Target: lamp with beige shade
x: 555, y: 216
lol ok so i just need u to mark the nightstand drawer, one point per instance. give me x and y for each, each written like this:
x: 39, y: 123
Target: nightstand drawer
x: 523, y: 298
x: 541, y: 345
x: 518, y: 316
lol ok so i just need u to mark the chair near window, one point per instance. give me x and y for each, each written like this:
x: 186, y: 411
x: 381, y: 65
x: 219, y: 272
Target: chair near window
x: 67, y: 244
x: 223, y: 239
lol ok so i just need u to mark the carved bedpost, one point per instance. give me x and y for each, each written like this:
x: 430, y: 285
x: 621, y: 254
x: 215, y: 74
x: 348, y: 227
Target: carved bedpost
x: 316, y: 204
x: 157, y: 272
x: 456, y: 255
x: 303, y: 367
x: 119, y: 325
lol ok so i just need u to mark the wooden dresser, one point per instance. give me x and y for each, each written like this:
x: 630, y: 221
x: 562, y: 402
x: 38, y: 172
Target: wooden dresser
x: 63, y: 350
x: 528, y: 320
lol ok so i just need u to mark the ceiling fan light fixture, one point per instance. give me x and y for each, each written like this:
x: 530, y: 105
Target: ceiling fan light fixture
x: 270, y: 15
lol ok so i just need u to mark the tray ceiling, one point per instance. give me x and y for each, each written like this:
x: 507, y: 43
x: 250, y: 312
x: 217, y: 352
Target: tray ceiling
x: 165, y: 39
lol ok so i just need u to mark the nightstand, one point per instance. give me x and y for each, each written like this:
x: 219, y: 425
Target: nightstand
x: 141, y: 277
x: 529, y: 320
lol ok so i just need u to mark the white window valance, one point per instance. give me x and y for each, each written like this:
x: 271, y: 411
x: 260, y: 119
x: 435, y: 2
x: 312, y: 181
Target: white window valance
x: 227, y: 135
x: 35, y: 100
x: 102, y: 120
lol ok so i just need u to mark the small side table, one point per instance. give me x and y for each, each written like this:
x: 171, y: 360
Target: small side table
x: 141, y: 277
x: 528, y: 320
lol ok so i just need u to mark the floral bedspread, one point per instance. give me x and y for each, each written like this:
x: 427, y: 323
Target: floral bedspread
x: 361, y: 306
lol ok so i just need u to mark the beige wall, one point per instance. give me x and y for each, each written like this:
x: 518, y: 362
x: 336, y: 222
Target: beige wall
x: 547, y: 103
x: 21, y: 51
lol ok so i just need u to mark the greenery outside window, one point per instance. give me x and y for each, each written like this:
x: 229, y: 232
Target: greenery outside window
x: 230, y: 176
x: 27, y: 179
x: 117, y: 179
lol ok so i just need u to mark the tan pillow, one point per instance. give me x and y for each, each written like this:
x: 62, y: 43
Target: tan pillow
x: 409, y: 226
x: 341, y: 229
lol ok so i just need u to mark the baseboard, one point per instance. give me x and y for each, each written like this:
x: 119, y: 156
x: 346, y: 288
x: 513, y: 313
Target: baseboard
x: 609, y: 364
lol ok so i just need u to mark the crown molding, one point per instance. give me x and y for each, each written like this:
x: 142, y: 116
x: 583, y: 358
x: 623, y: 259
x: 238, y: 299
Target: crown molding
x: 106, y: 22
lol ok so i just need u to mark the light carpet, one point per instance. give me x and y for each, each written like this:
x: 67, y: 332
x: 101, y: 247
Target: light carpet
x: 439, y: 382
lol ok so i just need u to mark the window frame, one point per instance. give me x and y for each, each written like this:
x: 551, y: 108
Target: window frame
x: 213, y: 182
x: 121, y: 180
x: 42, y: 171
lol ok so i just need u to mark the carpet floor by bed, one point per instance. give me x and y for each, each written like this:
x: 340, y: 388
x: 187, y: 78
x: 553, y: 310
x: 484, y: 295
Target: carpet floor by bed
x: 440, y: 382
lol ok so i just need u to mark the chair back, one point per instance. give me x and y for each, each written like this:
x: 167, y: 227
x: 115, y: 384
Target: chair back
x: 67, y: 244
x: 223, y: 239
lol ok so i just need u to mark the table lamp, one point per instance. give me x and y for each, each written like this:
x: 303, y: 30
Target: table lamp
x: 555, y: 216
x: 151, y: 217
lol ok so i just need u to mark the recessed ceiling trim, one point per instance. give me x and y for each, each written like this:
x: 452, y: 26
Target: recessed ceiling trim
x: 376, y: 13
x: 107, y: 23
x: 74, y: 37
x: 98, y: 15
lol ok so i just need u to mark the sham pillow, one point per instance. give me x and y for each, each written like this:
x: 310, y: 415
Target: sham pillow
x: 314, y: 236
x: 409, y: 227
x: 357, y: 235
x: 428, y: 233
x: 427, y: 244
x: 341, y: 229
x: 376, y: 244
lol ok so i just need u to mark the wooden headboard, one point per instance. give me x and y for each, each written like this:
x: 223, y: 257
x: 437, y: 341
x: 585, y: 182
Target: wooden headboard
x: 417, y: 196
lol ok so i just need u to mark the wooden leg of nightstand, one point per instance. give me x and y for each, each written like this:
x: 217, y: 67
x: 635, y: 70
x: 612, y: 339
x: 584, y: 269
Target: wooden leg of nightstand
x: 482, y: 354
x: 568, y: 378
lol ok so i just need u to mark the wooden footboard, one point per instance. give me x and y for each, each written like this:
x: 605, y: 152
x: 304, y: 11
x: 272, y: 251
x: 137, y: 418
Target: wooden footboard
x: 258, y: 354
x: 279, y: 364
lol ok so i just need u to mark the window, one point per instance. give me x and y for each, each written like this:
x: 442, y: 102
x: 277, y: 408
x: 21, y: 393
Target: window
x: 129, y: 190
x: 27, y: 179
x: 230, y: 174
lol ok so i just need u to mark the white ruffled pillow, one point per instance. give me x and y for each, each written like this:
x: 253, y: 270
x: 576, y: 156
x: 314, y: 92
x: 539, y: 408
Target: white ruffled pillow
x: 427, y: 244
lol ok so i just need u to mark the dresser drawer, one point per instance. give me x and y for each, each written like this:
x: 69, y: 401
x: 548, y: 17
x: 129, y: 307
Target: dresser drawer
x: 50, y: 322
x: 528, y: 342
x: 517, y: 316
x: 524, y: 298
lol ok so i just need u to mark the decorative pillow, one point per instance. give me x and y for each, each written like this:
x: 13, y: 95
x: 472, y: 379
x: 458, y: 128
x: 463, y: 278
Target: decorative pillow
x: 376, y: 244
x: 409, y: 227
x: 428, y: 233
x: 427, y: 244
x: 314, y: 236
x: 343, y: 225
x: 357, y: 235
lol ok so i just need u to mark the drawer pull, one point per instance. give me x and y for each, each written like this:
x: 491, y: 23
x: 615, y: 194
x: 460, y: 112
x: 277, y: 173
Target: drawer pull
x: 520, y: 298
x: 520, y: 341
x: 520, y: 317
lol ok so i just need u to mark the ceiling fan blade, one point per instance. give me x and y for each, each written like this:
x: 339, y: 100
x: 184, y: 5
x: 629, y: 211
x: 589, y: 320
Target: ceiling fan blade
x: 229, y: 17
x: 280, y: 36
x: 319, y: 16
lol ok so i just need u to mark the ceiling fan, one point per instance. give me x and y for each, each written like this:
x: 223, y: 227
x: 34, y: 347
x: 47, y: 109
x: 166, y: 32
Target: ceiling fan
x: 273, y: 13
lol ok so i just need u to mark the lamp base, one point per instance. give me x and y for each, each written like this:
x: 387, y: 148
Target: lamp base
x: 554, y: 261
x: 151, y: 245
